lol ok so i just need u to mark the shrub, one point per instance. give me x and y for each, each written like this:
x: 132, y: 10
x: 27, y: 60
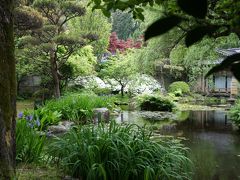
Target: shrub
x: 235, y: 114
x: 119, y: 152
x: 155, y: 103
x: 179, y: 88
x: 29, y: 144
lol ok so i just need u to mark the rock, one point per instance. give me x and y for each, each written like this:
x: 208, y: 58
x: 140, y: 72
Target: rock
x: 118, y: 103
x: 101, y: 114
x: 62, y: 127
x: 66, y: 124
x: 69, y: 178
x: 157, y: 115
x: 57, y: 129
x: 115, y: 112
x: 169, y: 127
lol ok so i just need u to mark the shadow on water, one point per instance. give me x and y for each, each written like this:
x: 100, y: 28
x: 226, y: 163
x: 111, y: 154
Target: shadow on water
x: 215, y: 146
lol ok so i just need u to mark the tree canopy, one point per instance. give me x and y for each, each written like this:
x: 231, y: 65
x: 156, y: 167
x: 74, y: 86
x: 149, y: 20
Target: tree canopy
x: 53, y: 40
x: 196, y: 18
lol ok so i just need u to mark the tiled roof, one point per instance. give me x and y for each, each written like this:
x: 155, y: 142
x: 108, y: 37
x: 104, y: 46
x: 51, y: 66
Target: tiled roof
x: 228, y: 52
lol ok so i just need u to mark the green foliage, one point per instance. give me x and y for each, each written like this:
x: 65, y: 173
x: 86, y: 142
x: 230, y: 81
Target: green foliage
x: 29, y: 144
x: 27, y: 18
x: 119, y: 152
x: 179, y: 87
x: 54, y: 41
x: 124, y: 24
x: 77, y: 107
x: 154, y: 56
x: 99, y: 26
x: 40, y: 118
x: 155, y: 103
x: 40, y: 96
x: 102, y: 91
x: 83, y: 62
x: 235, y: 114
x: 196, y: 19
x: 26, y: 66
x: 197, y: 64
x: 47, y: 117
x: 119, y: 68
x: 28, y: 116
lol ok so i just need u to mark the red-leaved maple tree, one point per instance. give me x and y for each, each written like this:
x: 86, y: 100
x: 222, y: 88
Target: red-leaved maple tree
x: 122, y: 45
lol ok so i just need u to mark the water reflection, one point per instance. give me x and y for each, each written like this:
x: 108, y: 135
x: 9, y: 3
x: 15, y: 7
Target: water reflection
x: 215, y: 147
x: 213, y: 143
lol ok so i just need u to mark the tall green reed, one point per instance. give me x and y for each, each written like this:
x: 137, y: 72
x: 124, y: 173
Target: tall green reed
x: 119, y: 152
x: 29, y: 144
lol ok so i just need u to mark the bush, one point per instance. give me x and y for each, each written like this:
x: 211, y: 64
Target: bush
x: 29, y: 144
x: 235, y: 114
x: 179, y: 88
x: 155, y: 103
x: 119, y: 152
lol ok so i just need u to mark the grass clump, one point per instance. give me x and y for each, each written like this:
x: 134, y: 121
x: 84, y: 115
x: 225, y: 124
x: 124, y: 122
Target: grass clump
x: 77, y: 107
x: 120, y: 153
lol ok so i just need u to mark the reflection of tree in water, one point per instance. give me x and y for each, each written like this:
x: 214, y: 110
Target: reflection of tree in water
x: 204, y: 160
x: 208, y: 120
x: 182, y: 115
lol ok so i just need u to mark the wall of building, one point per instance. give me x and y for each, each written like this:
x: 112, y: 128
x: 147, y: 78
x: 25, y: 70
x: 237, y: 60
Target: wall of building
x: 28, y: 85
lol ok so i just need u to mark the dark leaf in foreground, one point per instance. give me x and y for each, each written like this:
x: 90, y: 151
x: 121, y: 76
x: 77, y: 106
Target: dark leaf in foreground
x: 236, y: 71
x: 196, y: 8
x: 161, y: 26
x: 232, y: 61
x: 198, y: 33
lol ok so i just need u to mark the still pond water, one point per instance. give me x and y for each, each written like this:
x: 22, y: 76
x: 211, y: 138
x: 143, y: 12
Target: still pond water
x: 215, y: 146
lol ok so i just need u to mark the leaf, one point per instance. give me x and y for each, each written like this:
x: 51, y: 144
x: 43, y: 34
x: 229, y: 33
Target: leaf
x: 198, y: 33
x: 161, y: 26
x: 138, y: 15
x: 235, y: 70
x: 106, y: 13
x: 226, y: 63
x: 196, y: 8
x: 97, y: 2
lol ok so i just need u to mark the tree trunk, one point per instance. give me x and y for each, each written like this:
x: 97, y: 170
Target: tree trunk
x: 122, y: 90
x: 7, y: 91
x: 54, y: 71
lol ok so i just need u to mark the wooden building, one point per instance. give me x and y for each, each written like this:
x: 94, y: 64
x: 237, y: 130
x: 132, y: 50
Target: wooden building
x: 222, y: 83
x: 28, y: 85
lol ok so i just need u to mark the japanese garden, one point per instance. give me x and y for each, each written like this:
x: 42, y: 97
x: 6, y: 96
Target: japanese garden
x: 119, y: 89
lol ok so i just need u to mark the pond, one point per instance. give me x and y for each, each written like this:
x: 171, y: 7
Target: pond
x: 214, y: 145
